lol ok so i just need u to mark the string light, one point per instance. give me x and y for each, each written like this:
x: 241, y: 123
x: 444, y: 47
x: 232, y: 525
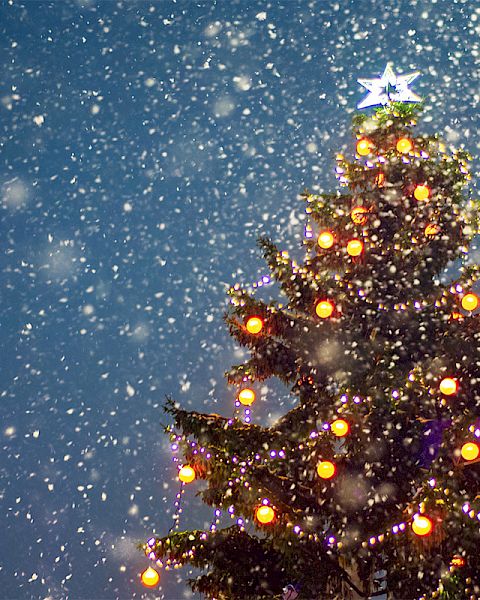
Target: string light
x: 421, y: 192
x: 325, y: 240
x: 340, y: 427
x: 326, y: 469
x: 470, y: 302
x: 265, y: 514
x: 470, y: 451
x: 432, y: 229
x: 246, y: 397
x: 254, y: 325
x: 150, y: 577
x: 364, y: 147
x: 422, y: 525
x: 359, y: 215
x: 324, y: 309
x: 354, y: 247
x: 404, y: 145
x: 449, y: 386
x: 186, y: 474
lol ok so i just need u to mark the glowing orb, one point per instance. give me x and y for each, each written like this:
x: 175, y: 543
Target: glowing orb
x: 150, y: 577
x: 340, y: 427
x: 326, y: 469
x: 186, y: 474
x: 246, y: 397
x: 265, y: 514
x: 421, y: 192
x: 324, y: 309
x: 422, y: 525
x: 432, y: 229
x: 354, y: 247
x: 254, y: 325
x: 404, y: 145
x: 325, y: 240
x: 449, y: 386
x: 470, y: 451
x: 359, y: 215
x: 364, y: 147
x: 470, y: 302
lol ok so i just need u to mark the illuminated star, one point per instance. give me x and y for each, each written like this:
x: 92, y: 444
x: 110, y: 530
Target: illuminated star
x: 389, y: 88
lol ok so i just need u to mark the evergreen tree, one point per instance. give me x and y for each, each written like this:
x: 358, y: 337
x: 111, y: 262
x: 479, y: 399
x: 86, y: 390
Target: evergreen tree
x: 374, y: 474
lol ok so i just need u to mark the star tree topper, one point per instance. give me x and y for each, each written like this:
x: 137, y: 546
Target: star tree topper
x: 389, y: 88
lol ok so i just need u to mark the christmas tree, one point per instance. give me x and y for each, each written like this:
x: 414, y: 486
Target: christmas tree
x: 370, y: 484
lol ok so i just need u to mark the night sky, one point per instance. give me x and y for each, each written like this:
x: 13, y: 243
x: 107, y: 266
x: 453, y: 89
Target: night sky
x: 144, y: 148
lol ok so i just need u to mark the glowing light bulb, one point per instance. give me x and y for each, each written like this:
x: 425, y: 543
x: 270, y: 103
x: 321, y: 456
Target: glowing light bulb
x: 254, y: 325
x: 432, y: 229
x: 265, y: 514
x: 422, y: 525
x: 470, y: 302
x: 470, y: 451
x: 246, y: 397
x: 364, y: 147
x: 449, y: 386
x: 359, y: 215
x: 150, y: 577
x: 325, y: 240
x: 186, y: 474
x: 340, y: 427
x: 324, y: 309
x: 354, y: 247
x: 421, y: 192
x: 404, y: 145
x: 326, y: 469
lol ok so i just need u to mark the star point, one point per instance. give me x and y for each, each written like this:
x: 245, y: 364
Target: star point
x: 388, y: 88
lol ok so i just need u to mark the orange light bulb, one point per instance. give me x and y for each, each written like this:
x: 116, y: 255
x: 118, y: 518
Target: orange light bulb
x: 421, y: 192
x: 422, y: 525
x: 449, y: 386
x: 432, y: 229
x: 254, y: 325
x: 470, y: 451
x: 404, y: 145
x: 150, y: 577
x: 326, y: 469
x: 470, y: 302
x: 324, y: 309
x: 340, y: 427
x: 265, y: 514
x: 246, y: 397
x: 359, y: 215
x: 325, y: 240
x: 354, y: 247
x: 364, y: 147
x: 186, y: 474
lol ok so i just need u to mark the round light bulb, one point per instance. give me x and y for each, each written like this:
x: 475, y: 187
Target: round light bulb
x: 254, y: 325
x: 150, y: 577
x: 470, y: 451
x: 324, y: 309
x: 421, y: 192
x: 186, y: 474
x: 325, y: 240
x: 340, y: 427
x: 246, y: 397
x: 448, y: 386
x: 265, y: 514
x: 359, y: 215
x: 364, y: 147
x: 404, y: 145
x: 326, y: 469
x: 432, y: 229
x: 422, y: 525
x: 354, y: 247
x: 470, y: 302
